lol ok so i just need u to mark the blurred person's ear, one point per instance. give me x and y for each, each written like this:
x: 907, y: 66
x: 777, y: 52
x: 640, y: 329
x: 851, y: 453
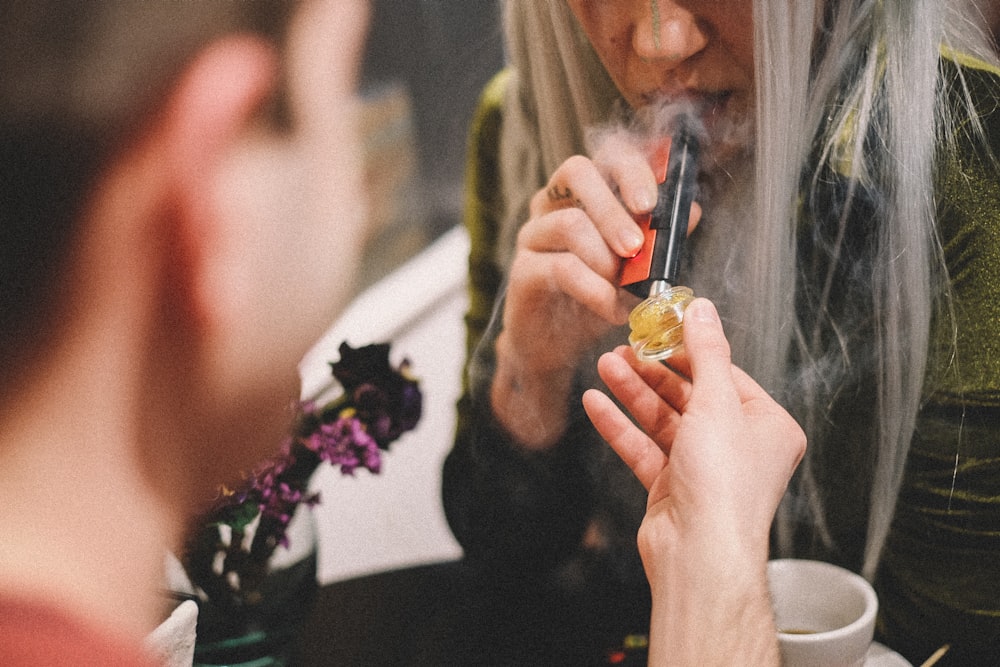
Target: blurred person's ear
x: 290, y: 209
x: 146, y: 291
x: 207, y: 116
x: 156, y: 208
x: 213, y: 106
x: 253, y: 202
x: 227, y: 246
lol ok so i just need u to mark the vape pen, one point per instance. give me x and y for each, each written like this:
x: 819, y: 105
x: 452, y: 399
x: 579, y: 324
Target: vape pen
x: 656, y: 323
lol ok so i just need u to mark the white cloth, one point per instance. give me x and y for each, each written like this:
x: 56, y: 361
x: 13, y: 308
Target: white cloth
x: 171, y: 644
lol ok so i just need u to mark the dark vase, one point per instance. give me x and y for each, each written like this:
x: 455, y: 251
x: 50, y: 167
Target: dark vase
x: 259, y: 628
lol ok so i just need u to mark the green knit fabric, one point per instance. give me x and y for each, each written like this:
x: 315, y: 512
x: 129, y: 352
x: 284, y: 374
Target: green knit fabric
x: 940, y: 576
x: 483, y: 211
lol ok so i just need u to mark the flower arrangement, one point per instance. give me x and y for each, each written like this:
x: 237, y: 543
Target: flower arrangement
x: 378, y: 404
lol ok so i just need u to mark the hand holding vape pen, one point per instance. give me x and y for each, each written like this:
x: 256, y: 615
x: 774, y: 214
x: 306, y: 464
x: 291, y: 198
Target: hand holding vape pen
x: 657, y: 322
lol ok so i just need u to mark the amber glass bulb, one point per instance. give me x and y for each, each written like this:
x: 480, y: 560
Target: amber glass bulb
x: 657, y: 323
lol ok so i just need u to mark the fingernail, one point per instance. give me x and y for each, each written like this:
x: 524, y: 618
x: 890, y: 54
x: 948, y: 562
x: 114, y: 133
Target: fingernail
x: 631, y: 240
x: 644, y: 201
x: 702, y: 310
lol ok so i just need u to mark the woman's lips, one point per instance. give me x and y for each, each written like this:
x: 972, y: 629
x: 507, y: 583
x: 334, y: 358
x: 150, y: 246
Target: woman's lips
x: 716, y: 109
x: 722, y: 115
x: 677, y: 94
x: 705, y: 103
x: 717, y: 102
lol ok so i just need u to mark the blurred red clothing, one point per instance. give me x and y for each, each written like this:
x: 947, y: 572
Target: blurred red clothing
x: 34, y: 634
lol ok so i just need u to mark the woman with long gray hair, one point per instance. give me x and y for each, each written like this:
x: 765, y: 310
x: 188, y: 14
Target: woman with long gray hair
x: 849, y: 205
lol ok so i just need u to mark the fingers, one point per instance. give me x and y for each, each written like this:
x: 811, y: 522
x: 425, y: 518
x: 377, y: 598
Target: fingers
x: 578, y: 183
x: 617, y: 185
x: 664, y: 380
x: 716, y: 381
x: 695, y: 217
x: 645, y: 390
x: 625, y: 165
x: 705, y: 338
x: 563, y: 251
x: 707, y: 351
x: 536, y: 276
x: 571, y: 231
x: 587, y: 209
x: 640, y: 453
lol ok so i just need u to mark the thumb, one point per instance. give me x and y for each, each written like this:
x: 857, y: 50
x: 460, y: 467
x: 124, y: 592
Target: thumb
x: 707, y: 349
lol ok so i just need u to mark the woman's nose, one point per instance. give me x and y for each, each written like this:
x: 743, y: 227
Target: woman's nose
x: 667, y: 32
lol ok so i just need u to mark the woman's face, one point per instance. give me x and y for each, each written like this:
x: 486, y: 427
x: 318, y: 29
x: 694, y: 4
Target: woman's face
x: 700, y: 50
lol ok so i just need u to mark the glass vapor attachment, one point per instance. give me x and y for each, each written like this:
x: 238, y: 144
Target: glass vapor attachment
x: 657, y: 322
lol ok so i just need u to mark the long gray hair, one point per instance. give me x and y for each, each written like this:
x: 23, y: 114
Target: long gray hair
x: 829, y: 76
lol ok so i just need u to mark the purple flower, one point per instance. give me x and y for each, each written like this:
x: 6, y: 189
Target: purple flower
x: 346, y: 443
x: 387, y: 400
x: 379, y: 404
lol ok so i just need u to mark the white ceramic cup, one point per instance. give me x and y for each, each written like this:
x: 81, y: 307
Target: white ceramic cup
x: 825, y: 614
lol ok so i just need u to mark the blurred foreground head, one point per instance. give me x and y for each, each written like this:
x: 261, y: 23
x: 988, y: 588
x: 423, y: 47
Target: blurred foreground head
x: 180, y: 217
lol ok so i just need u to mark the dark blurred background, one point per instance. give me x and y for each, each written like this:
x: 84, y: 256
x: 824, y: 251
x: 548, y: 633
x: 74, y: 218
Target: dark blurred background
x: 426, y: 63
